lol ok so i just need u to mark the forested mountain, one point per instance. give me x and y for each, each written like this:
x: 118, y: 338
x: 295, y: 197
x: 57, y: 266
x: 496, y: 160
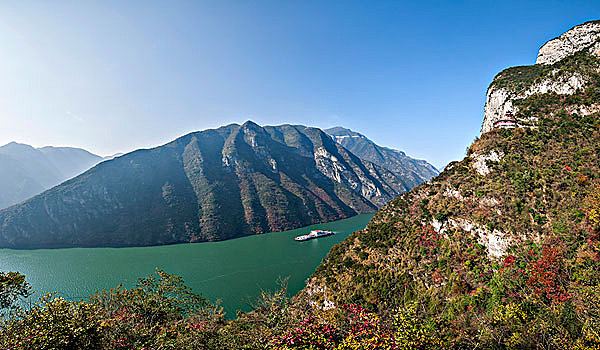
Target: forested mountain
x: 205, y: 186
x: 412, y: 171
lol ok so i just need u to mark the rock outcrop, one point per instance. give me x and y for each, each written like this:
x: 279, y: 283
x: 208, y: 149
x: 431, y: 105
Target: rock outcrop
x: 412, y: 171
x: 551, y: 74
x: 581, y: 37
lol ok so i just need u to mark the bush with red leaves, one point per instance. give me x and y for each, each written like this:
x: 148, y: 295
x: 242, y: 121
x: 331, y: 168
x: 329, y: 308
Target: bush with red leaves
x: 547, y: 276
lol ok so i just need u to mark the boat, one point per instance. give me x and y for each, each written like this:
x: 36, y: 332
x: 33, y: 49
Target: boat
x: 313, y: 234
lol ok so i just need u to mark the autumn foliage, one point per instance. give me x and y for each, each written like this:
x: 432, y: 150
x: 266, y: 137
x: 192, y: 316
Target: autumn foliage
x: 547, y: 276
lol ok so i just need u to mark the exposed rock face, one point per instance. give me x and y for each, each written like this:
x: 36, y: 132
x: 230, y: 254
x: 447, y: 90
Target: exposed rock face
x: 500, y: 101
x: 480, y: 161
x: 412, y: 171
x: 547, y: 76
x: 579, y: 38
x: 495, y: 241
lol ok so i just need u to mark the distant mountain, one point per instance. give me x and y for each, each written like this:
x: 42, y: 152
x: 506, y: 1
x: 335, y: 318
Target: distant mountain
x: 26, y: 171
x: 412, y: 171
x: 70, y: 161
x: 205, y: 186
x: 113, y: 156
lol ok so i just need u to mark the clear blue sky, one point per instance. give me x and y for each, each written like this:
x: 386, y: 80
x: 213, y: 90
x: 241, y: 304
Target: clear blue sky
x: 113, y: 76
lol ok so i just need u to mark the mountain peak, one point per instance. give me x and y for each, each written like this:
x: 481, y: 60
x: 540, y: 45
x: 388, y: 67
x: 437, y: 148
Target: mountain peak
x: 341, y: 131
x: 16, y: 145
x: 578, y: 38
x: 415, y: 171
x: 250, y: 124
x: 574, y: 60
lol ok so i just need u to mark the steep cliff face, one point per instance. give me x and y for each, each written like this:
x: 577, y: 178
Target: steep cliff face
x: 581, y: 37
x: 503, y: 244
x: 564, y: 66
x: 412, y: 171
x: 205, y: 186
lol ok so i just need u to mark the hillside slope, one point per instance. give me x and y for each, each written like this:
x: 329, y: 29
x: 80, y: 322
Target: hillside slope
x: 70, y: 161
x: 205, y: 186
x: 27, y: 171
x: 412, y: 171
x: 502, y: 249
x: 16, y: 183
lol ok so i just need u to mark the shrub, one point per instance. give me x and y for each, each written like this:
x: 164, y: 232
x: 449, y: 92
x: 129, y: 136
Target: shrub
x: 13, y: 288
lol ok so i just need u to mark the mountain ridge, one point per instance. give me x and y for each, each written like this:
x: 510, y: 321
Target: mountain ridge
x: 204, y: 186
x: 414, y: 171
x: 28, y: 171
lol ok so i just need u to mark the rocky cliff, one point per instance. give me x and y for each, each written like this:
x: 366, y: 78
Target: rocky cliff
x: 412, y: 171
x: 562, y: 68
x: 581, y: 37
x: 501, y: 250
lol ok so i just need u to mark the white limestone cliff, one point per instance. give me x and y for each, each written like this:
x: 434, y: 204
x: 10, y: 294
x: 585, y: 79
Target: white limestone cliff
x: 500, y: 98
x: 575, y: 40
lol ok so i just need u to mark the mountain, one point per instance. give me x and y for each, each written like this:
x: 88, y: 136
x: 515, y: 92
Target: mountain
x: 205, y: 186
x: 565, y: 66
x: 70, y: 161
x: 16, y: 183
x: 113, y: 156
x: 501, y: 250
x: 412, y: 171
x: 27, y: 171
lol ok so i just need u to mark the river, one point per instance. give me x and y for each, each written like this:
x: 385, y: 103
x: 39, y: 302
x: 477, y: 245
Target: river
x: 234, y: 271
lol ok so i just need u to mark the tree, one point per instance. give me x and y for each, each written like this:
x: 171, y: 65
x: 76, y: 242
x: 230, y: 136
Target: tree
x: 12, y: 288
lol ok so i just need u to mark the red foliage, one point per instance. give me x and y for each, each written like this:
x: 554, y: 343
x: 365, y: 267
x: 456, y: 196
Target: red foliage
x: 365, y: 328
x: 428, y: 238
x: 509, y: 261
x: 363, y: 324
x: 546, y: 275
x: 310, y: 333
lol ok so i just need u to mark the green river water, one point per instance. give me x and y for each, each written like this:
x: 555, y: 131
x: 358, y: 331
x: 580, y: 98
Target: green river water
x: 234, y: 271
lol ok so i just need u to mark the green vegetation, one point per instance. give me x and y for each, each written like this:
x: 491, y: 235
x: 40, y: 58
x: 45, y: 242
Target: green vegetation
x: 206, y: 186
x: 161, y: 313
x: 13, y: 288
x: 519, y: 79
x: 541, y: 198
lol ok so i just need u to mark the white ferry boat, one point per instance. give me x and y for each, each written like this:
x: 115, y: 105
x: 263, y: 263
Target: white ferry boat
x: 313, y: 234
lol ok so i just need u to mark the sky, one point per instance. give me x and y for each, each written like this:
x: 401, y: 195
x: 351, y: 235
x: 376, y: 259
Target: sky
x: 114, y: 76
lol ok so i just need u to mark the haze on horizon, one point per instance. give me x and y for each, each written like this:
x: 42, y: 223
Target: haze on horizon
x: 116, y: 76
